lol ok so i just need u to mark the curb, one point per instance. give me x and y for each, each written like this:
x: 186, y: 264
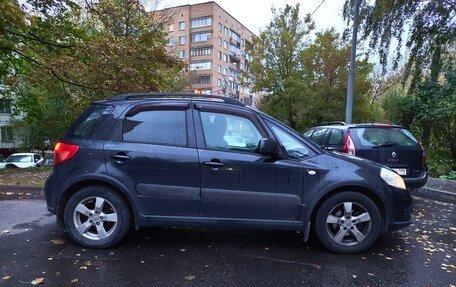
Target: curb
x: 436, y: 194
x: 22, y: 189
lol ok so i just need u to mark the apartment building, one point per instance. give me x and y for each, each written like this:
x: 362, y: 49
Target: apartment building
x: 6, y: 130
x: 213, y: 43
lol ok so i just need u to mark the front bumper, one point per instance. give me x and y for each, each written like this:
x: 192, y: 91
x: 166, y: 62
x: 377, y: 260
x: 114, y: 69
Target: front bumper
x: 401, y: 207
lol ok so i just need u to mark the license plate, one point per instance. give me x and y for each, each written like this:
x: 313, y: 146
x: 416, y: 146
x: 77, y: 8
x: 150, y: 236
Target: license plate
x: 400, y: 171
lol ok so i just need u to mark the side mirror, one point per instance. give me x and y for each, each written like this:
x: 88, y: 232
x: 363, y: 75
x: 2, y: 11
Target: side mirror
x: 268, y: 146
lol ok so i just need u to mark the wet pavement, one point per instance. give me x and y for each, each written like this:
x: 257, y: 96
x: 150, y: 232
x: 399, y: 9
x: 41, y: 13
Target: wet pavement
x: 33, y: 247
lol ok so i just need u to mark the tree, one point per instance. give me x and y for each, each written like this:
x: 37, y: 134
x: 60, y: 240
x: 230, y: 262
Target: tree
x: 431, y: 28
x: 275, y: 66
x: 325, y: 64
x: 60, y: 55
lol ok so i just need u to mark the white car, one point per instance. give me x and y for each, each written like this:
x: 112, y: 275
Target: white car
x: 22, y: 160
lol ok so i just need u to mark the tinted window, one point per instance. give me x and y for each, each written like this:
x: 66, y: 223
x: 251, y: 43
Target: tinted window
x: 336, y: 137
x: 372, y: 137
x: 318, y: 135
x: 293, y: 146
x: 222, y: 131
x: 158, y: 127
x: 89, y: 120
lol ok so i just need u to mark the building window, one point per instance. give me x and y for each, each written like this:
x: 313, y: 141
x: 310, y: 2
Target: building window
x: 171, y: 41
x: 225, y: 58
x: 225, y: 30
x: 181, y: 25
x: 200, y: 51
x: 201, y: 37
x: 219, y: 55
x: 235, y: 36
x: 5, y: 106
x: 219, y: 82
x: 242, y: 42
x: 7, y: 134
x: 171, y: 28
x: 225, y: 44
x: 182, y: 54
x: 182, y: 40
x: 219, y: 69
x: 225, y: 70
x: 220, y: 27
x: 220, y: 41
x: 203, y: 65
x: 201, y: 22
x: 202, y: 80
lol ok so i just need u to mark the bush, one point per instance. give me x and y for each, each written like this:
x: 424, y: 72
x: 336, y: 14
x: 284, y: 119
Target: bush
x: 451, y: 175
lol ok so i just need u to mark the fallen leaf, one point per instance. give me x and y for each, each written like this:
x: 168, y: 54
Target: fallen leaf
x: 38, y: 281
x: 50, y: 258
x: 83, y: 267
x: 58, y: 241
x: 190, y: 277
x: 6, y: 277
x: 74, y: 280
x: 183, y: 250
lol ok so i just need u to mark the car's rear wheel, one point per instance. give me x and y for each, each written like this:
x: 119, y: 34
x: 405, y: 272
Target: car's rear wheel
x: 97, y: 217
x: 348, y: 222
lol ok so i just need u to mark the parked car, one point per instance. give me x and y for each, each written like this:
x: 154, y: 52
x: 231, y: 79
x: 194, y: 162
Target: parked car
x: 388, y: 144
x: 22, y: 160
x: 177, y: 159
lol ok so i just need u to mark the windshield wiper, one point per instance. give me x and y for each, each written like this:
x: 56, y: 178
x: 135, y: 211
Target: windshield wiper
x: 386, y: 144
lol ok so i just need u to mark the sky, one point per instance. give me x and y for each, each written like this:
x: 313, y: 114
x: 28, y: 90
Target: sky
x: 256, y: 14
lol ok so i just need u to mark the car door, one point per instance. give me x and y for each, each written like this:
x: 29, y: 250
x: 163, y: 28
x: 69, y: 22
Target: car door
x: 152, y: 151
x: 236, y: 181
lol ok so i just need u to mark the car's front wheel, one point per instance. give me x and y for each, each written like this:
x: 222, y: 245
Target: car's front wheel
x: 97, y: 217
x: 348, y: 222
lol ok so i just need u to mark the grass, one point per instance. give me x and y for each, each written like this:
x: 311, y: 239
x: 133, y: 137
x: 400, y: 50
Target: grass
x: 25, y: 177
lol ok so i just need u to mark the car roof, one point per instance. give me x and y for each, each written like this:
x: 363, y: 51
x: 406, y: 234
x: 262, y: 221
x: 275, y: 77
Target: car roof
x: 364, y: 125
x: 24, y: 153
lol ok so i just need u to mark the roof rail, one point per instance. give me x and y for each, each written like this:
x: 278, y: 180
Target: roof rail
x: 336, y: 123
x: 126, y: 97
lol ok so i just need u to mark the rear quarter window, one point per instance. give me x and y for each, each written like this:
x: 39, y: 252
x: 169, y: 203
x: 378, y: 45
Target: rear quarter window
x: 318, y: 136
x: 89, y: 120
x: 372, y: 137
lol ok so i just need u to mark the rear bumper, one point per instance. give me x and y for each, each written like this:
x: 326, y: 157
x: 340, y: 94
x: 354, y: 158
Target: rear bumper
x: 51, y: 192
x: 416, y: 182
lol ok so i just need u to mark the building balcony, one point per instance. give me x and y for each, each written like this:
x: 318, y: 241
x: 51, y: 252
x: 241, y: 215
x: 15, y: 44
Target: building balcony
x: 235, y: 42
x: 235, y: 57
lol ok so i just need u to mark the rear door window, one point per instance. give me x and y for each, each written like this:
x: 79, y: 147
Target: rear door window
x: 318, y: 136
x: 165, y: 127
x: 336, y: 137
x: 383, y: 137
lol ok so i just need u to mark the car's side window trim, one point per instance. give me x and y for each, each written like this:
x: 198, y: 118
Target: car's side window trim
x: 199, y: 123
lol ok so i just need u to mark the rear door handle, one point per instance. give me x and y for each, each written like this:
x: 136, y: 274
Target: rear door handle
x: 120, y: 157
x: 213, y: 163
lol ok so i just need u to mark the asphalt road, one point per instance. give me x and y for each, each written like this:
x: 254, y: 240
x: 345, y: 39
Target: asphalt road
x: 32, y: 246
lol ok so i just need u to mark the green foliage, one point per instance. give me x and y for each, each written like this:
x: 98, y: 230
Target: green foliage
x: 71, y: 53
x: 306, y: 82
x: 429, y: 23
x: 450, y: 176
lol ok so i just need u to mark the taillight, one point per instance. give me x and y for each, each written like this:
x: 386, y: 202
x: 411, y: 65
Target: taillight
x: 64, y: 152
x: 349, y: 146
x: 424, y: 152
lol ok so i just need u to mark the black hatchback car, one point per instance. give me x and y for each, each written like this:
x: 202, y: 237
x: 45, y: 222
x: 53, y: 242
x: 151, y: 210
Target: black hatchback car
x: 183, y: 159
x: 388, y: 144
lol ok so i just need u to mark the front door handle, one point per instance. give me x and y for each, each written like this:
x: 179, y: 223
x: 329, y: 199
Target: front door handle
x: 120, y: 156
x: 214, y: 163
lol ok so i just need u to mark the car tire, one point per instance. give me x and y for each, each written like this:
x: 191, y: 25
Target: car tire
x: 97, y: 217
x: 348, y: 222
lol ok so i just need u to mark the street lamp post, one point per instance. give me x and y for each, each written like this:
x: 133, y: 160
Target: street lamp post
x: 351, y: 76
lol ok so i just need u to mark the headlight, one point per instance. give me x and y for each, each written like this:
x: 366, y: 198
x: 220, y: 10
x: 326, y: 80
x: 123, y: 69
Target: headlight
x: 392, y: 178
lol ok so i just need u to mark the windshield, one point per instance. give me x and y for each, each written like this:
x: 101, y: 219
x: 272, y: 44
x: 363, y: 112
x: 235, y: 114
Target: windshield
x: 383, y: 137
x: 19, y: 158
